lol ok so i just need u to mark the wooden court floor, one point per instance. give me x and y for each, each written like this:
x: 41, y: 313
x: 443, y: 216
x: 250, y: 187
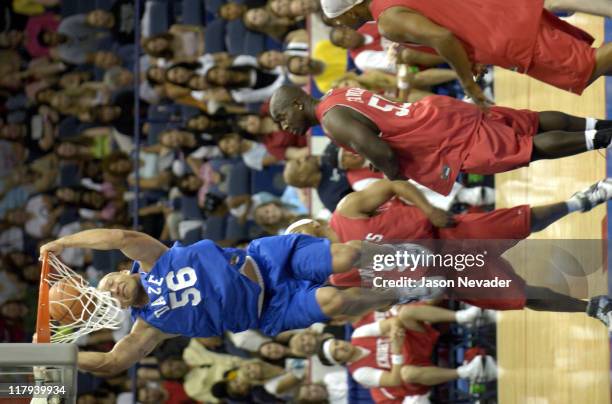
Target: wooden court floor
x: 554, y: 358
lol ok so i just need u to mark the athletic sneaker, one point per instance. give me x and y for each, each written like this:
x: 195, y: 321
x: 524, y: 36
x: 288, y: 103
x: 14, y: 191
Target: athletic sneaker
x: 409, y: 294
x: 475, y: 316
x: 594, y: 195
x: 490, y: 370
x: 600, y: 307
x: 490, y: 316
x: 481, y: 369
x: 476, y: 196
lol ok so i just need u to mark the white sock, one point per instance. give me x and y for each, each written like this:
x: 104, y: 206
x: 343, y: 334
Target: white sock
x: 573, y: 204
x: 467, y: 315
x: 589, y: 136
x: 590, y: 123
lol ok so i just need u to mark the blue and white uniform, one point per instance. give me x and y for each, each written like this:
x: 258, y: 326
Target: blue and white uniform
x: 199, y: 291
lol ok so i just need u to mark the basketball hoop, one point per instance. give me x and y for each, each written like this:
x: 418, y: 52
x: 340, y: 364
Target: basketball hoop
x: 69, y: 308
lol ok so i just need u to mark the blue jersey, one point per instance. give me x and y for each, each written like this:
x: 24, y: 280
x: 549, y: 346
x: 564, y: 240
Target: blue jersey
x: 198, y: 291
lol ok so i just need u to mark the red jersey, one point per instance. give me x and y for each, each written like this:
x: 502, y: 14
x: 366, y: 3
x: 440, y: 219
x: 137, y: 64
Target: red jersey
x: 417, y: 350
x: 394, y: 220
x: 431, y: 138
x: 498, y: 32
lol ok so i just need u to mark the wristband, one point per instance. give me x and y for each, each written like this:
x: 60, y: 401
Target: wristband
x: 397, y: 359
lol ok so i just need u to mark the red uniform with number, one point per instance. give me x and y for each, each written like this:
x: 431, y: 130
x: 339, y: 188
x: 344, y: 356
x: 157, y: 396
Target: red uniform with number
x: 396, y: 221
x: 417, y: 350
x: 381, y: 394
x: 515, y: 34
x: 437, y: 137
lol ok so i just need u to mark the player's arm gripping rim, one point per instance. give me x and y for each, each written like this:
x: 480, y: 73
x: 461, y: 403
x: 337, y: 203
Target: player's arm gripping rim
x: 347, y: 127
x: 136, y: 246
x: 127, y: 351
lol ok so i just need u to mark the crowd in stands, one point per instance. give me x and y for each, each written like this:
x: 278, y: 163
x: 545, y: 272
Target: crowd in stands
x: 198, y: 140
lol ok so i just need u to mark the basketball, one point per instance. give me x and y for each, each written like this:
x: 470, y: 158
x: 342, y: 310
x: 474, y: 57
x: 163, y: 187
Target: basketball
x: 66, y: 303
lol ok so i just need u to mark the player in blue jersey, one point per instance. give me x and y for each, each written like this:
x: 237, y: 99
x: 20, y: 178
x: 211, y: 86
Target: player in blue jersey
x: 202, y: 290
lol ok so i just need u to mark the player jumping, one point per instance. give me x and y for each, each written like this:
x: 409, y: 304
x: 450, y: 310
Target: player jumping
x: 203, y: 290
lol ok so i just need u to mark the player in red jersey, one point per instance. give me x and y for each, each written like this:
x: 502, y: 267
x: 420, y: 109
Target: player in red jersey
x: 431, y: 141
x: 518, y: 35
x: 377, y: 214
x: 393, y: 356
x: 422, y: 314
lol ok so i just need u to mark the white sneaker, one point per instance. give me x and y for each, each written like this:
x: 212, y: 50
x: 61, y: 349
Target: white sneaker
x: 473, y: 370
x: 490, y: 316
x: 594, y: 195
x: 476, y: 196
x: 490, y: 370
x: 469, y: 315
x: 481, y: 369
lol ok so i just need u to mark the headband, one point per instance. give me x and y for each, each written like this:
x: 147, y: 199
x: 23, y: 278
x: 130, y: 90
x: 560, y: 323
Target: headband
x: 327, y: 353
x: 297, y: 224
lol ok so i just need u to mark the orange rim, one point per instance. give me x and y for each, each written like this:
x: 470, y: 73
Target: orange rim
x: 42, y: 317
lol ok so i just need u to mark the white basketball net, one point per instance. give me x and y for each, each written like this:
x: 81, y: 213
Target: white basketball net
x: 100, y: 310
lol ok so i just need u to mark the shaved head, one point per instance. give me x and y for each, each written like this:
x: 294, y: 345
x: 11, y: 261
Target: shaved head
x: 293, y: 109
x: 284, y: 97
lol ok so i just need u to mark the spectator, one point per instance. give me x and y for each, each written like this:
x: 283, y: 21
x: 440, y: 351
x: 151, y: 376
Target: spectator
x: 243, y: 81
x: 232, y: 11
x: 273, y: 216
x: 187, y: 141
x: 36, y: 25
x: 264, y: 21
x: 120, y: 20
x: 12, y: 39
x: 313, y: 172
x: 74, y: 40
x: 255, y: 155
x: 305, y: 66
x: 294, y: 9
x: 281, y: 144
x: 333, y: 389
x: 182, y: 43
x: 275, y: 380
x: 204, y: 123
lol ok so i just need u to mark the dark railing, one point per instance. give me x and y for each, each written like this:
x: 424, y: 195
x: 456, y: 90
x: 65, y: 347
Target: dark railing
x: 136, y: 138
